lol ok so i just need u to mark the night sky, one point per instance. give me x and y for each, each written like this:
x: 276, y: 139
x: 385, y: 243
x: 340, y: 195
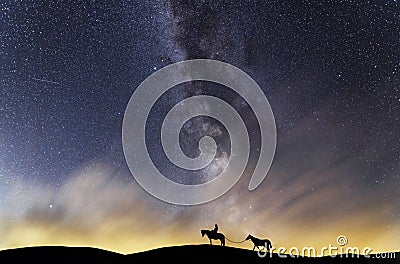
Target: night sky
x: 331, y: 73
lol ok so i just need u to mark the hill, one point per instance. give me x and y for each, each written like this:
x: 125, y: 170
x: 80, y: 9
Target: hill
x: 178, y: 254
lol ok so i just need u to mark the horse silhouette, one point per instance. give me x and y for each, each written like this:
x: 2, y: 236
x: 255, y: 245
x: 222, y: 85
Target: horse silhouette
x: 259, y: 242
x: 213, y: 235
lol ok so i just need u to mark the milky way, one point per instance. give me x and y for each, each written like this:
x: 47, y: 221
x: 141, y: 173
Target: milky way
x: 330, y: 71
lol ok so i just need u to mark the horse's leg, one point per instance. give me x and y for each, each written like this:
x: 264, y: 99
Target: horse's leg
x: 254, y: 247
x: 210, y: 241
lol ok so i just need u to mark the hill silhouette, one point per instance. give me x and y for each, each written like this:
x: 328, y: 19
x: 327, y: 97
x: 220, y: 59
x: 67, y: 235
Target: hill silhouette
x: 177, y: 254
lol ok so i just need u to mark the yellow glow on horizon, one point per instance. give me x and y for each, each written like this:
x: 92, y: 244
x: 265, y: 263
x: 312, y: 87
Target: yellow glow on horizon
x: 94, y: 211
x: 127, y: 242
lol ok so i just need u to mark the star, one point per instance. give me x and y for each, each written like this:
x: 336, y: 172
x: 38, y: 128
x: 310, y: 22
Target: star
x: 330, y: 73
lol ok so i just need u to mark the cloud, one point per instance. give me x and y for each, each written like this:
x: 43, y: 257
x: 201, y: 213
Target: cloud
x: 102, y: 207
x: 95, y: 207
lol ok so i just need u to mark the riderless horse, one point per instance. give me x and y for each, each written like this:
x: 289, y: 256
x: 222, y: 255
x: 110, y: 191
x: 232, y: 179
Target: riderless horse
x: 259, y: 242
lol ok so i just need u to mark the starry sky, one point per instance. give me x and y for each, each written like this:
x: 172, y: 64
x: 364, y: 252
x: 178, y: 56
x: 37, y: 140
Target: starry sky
x: 330, y: 70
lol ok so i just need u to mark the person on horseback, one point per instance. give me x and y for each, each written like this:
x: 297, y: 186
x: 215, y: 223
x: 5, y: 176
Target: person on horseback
x: 213, y: 234
x: 215, y: 229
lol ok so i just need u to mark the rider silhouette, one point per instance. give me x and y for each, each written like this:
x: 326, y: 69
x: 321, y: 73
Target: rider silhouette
x: 215, y: 229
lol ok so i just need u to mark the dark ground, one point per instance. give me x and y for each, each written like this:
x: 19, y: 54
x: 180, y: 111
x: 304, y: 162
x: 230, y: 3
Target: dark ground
x: 178, y: 254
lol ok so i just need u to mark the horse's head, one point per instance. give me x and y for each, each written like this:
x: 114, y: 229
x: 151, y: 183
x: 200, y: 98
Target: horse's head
x: 249, y: 237
x: 203, y: 232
